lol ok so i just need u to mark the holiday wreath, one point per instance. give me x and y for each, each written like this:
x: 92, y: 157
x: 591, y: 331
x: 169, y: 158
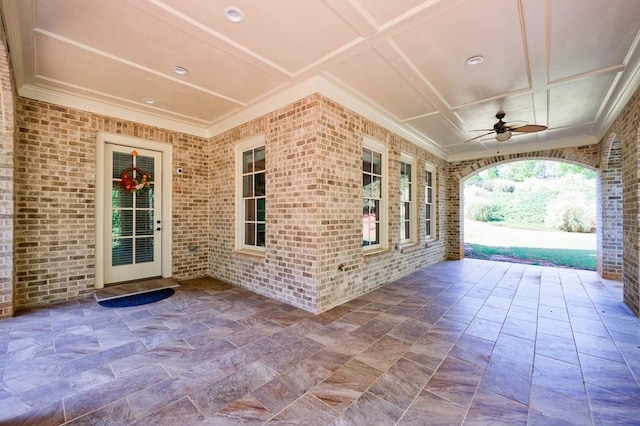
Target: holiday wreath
x: 139, y: 183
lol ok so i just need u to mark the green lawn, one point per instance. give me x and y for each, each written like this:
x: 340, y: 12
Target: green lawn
x: 580, y: 259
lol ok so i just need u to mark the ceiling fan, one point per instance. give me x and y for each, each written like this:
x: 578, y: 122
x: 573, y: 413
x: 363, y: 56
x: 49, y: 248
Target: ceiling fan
x: 504, y: 131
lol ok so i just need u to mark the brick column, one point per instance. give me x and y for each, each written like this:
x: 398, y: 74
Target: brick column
x: 609, y: 210
x: 7, y: 272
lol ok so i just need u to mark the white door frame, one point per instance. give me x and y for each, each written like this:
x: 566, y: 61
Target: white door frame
x: 167, y: 184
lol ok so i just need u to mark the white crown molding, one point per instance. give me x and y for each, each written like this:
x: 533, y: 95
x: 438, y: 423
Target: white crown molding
x: 97, y: 107
x: 506, y: 149
x: 329, y: 90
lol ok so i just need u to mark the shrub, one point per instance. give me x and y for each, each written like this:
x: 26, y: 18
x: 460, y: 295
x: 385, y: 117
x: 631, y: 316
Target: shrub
x: 570, y: 213
x: 499, y: 185
x: 480, y: 209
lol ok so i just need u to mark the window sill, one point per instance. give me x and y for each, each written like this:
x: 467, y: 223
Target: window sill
x: 406, y: 245
x: 257, y: 254
x: 374, y: 251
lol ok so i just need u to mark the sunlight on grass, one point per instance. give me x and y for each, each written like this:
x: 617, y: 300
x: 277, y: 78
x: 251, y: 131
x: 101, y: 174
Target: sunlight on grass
x: 570, y: 258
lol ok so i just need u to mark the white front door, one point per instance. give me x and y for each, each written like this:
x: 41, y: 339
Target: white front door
x: 133, y: 222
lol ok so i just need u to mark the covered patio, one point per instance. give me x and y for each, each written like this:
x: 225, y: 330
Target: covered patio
x: 459, y: 342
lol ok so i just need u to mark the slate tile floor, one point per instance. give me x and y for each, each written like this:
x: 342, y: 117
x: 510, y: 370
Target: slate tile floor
x: 466, y: 342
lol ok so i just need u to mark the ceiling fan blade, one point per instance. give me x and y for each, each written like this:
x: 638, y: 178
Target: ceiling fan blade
x: 529, y: 128
x: 479, y: 137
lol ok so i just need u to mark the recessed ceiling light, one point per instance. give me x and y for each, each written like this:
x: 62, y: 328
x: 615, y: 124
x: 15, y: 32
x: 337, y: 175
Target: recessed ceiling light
x: 233, y: 14
x: 149, y: 101
x: 474, y: 60
x: 180, y: 70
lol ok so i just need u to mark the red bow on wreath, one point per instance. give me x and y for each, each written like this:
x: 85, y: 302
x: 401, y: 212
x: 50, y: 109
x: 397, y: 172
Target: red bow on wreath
x: 141, y: 182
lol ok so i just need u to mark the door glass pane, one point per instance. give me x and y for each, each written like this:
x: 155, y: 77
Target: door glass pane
x: 144, y: 250
x: 145, y: 164
x: 122, y: 223
x: 119, y: 198
x: 144, y: 222
x: 144, y: 199
x: 120, y: 162
x: 121, y: 251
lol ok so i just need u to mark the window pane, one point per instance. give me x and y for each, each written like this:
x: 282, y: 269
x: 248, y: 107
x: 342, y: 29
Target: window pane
x: 428, y: 179
x: 428, y: 228
x: 428, y: 211
x: 259, y: 184
x: 250, y: 210
x: 366, y: 160
x: 259, y: 162
x: 429, y: 196
x: 247, y: 162
x: 376, y: 187
x: 144, y: 250
x: 247, y: 186
x: 260, y: 237
x: 250, y: 234
x: 377, y: 162
x: 366, y: 185
x: 262, y: 209
x: 407, y: 210
x: 407, y: 231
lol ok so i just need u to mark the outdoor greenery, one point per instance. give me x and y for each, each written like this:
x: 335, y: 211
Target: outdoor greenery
x: 534, y: 195
x: 538, y: 195
x: 580, y: 259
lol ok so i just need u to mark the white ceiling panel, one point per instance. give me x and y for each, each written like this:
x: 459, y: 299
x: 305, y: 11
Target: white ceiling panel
x: 384, y: 11
x: 565, y: 111
x: 387, y: 88
x: 440, y: 46
x: 210, y: 67
x: 567, y: 64
x: 275, y: 29
x: 439, y: 128
x: 599, y: 36
x: 68, y: 64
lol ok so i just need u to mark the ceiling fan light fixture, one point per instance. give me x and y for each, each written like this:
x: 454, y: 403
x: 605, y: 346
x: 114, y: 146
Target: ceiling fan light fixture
x: 475, y: 60
x: 233, y: 14
x: 503, y: 137
x: 180, y: 70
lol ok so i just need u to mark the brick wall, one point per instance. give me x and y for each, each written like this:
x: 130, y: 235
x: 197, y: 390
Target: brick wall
x: 609, y: 210
x: 458, y: 171
x: 314, y: 208
x: 55, y: 200
x: 6, y: 182
x: 627, y: 129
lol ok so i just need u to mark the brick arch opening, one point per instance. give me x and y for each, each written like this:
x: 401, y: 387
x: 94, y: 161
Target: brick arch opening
x: 585, y: 156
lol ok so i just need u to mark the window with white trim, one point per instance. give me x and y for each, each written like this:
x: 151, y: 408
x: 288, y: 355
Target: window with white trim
x: 407, y: 200
x: 429, y: 202
x: 251, y: 195
x: 374, y: 204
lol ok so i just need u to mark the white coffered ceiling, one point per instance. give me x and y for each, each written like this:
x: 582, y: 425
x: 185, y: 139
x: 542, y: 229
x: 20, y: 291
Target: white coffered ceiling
x: 566, y: 64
